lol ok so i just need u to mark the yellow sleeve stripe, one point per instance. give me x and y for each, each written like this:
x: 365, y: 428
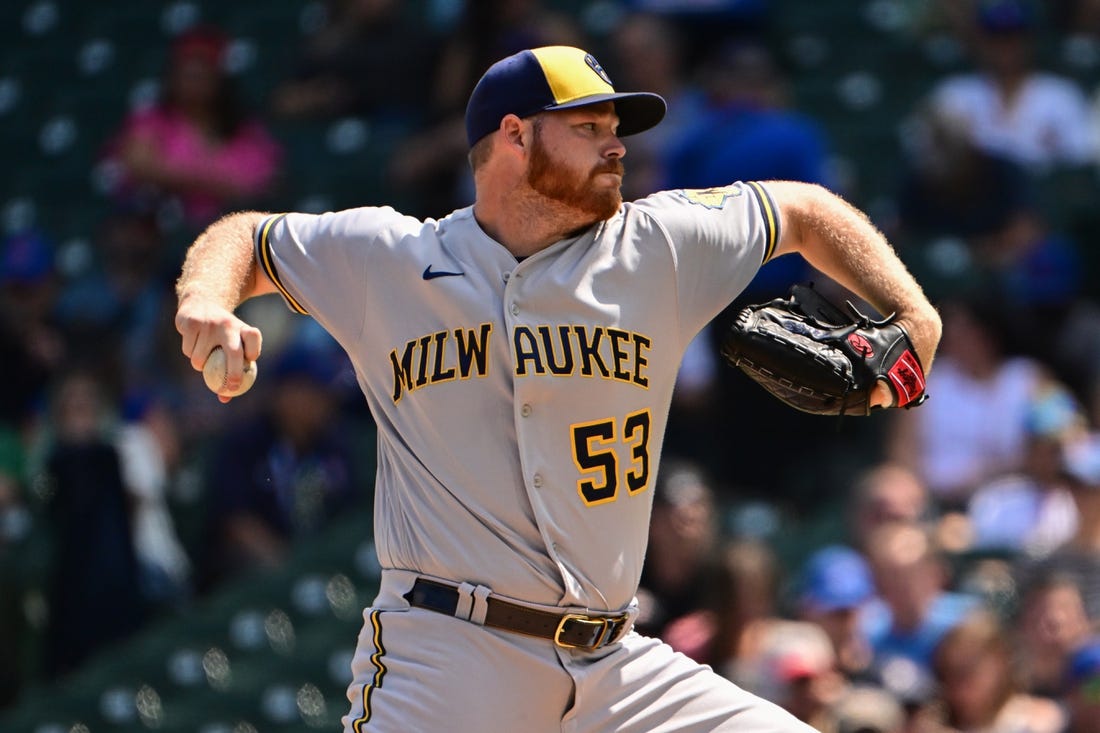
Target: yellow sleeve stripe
x: 771, y: 218
x: 267, y: 262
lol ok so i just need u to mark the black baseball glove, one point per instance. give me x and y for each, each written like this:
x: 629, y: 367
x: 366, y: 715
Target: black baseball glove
x: 819, y: 359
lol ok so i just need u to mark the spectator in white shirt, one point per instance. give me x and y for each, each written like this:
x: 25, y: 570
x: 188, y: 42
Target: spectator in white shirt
x: 1035, y: 117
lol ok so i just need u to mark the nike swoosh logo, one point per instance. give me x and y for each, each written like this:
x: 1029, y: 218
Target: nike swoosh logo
x: 429, y: 274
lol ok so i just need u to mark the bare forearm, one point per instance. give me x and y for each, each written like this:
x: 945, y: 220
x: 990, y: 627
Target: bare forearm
x: 220, y: 266
x: 840, y: 241
x: 219, y: 273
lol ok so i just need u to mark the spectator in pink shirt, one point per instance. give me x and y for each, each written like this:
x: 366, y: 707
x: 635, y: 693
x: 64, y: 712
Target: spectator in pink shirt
x: 197, y: 144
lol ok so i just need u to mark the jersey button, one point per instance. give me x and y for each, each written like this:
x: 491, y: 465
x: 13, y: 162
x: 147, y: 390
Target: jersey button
x: 525, y: 411
x: 507, y: 276
x: 515, y: 309
x: 536, y: 481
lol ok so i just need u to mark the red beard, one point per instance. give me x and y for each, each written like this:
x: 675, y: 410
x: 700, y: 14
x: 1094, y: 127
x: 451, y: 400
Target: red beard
x: 556, y: 182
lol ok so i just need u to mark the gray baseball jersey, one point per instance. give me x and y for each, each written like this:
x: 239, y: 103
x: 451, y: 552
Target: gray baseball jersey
x: 521, y: 405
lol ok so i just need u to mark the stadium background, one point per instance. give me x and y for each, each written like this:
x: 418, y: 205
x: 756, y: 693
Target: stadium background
x: 271, y: 652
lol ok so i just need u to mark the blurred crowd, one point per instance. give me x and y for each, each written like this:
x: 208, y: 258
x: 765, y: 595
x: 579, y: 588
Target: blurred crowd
x: 958, y: 587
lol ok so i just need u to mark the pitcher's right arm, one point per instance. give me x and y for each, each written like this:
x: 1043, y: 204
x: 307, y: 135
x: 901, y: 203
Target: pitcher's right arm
x: 219, y: 273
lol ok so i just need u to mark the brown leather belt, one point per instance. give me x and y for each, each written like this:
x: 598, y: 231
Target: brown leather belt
x: 569, y: 630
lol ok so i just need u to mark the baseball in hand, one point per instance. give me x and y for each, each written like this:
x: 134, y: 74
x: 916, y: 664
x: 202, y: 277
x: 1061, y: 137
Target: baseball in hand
x: 214, y: 372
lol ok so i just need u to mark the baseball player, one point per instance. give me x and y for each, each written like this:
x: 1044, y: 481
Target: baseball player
x: 518, y: 357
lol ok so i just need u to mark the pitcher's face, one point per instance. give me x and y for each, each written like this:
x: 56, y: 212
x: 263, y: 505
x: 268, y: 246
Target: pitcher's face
x: 576, y: 159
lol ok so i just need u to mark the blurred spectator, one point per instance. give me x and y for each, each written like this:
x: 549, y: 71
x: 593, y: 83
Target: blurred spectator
x: 742, y: 594
x: 149, y: 448
x: 974, y: 667
x: 1082, y: 688
x: 978, y: 209
x: 885, y: 493
x: 1031, y: 511
x: 118, y: 311
x: 746, y: 131
x: 1077, y: 354
x: 796, y: 669
x: 683, y: 535
x: 868, y: 709
x: 710, y: 22
x: 1037, y: 118
x: 431, y: 165
x: 650, y: 54
x: 953, y: 187
x: 1080, y: 557
x: 32, y: 347
x: 975, y: 430
x: 1051, y: 623
x: 198, y: 144
x: 95, y: 593
x: 347, y: 66
x: 493, y: 29
x: 836, y: 584
x: 285, y: 474
x: 914, y: 608
x: 988, y: 578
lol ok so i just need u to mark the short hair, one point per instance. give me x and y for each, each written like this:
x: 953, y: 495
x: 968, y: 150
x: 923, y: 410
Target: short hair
x: 479, y: 153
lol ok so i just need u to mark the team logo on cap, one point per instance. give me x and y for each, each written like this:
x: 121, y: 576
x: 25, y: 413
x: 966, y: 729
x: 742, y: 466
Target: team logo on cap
x: 595, y: 66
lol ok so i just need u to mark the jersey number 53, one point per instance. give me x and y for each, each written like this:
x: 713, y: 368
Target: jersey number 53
x: 599, y: 454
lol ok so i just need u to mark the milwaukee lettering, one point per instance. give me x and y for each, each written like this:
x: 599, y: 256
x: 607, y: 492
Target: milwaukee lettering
x: 442, y: 356
x: 558, y: 351
x: 563, y: 351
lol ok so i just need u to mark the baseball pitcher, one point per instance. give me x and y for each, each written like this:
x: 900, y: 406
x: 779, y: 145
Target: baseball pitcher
x: 519, y: 357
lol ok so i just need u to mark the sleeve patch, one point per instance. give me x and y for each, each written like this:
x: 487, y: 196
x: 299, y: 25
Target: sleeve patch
x: 711, y: 198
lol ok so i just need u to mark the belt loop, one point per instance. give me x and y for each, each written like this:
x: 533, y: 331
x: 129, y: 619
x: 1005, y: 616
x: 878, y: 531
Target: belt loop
x: 465, y: 601
x: 629, y: 617
x: 625, y: 628
x: 481, y: 605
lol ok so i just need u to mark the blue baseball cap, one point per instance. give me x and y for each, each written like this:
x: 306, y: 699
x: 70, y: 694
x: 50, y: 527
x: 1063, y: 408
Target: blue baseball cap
x: 1005, y: 16
x: 1084, y: 664
x: 553, y: 77
x: 836, y: 577
x: 25, y: 257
